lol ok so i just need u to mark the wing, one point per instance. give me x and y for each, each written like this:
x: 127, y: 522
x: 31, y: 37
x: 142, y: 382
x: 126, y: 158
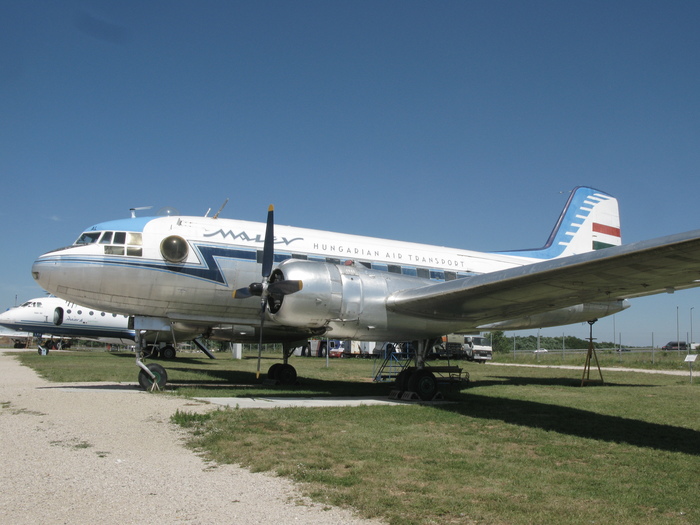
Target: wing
x: 645, y: 268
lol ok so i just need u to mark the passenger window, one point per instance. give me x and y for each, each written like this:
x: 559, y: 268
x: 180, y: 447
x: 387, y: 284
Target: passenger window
x: 134, y: 251
x: 394, y: 268
x: 409, y: 271
x: 423, y: 272
x: 437, y: 274
x: 450, y: 276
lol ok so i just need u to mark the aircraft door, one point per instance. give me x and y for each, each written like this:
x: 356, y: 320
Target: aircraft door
x: 58, y: 316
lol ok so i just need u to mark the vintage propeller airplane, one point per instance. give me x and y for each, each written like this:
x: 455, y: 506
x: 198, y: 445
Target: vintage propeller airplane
x: 257, y: 282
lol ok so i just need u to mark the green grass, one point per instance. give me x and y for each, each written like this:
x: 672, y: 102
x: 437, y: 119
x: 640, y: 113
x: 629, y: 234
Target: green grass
x: 519, y: 446
x: 636, y: 358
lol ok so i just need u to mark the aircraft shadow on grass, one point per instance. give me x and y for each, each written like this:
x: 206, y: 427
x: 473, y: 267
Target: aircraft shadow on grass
x: 580, y: 423
x: 546, y: 381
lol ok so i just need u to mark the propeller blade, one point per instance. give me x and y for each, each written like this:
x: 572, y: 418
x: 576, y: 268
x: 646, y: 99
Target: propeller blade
x: 269, y: 243
x: 278, y: 288
x: 242, y: 293
x: 249, y: 291
x: 260, y: 342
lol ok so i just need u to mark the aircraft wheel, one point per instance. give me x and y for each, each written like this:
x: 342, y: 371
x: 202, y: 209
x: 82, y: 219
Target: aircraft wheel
x: 402, y: 380
x: 146, y: 381
x: 273, y: 371
x: 168, y: 352
x: 423, y: 383
x: 286, y: 374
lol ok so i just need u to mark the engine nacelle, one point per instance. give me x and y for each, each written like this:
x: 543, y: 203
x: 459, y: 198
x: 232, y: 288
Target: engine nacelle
x: 326, y: 294
x: 347, y: 294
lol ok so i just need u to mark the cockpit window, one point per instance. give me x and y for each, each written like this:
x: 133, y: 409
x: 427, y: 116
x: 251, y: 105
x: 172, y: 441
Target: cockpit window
x: 88, y: 238
x: 31, y: 304
x: 134, y: 239
x: 116, y: 243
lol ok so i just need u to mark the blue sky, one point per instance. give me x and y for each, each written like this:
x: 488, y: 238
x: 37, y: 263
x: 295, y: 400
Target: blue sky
x: 458, y: 123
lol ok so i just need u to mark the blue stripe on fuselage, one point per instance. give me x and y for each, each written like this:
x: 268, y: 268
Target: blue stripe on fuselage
x: 209, y: 270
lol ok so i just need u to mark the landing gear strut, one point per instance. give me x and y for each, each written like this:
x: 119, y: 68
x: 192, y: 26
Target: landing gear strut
x: 152, y: 377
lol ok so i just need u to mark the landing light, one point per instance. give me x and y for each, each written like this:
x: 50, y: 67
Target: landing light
x: 174, y: 249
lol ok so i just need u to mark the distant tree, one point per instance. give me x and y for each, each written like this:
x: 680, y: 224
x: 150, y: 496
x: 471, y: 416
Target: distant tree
x: 499, y: 341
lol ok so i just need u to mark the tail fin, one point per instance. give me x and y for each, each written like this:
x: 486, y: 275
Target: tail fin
x: 590, y: 221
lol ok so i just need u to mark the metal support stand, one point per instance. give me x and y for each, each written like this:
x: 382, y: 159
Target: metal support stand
x: 586, y: 378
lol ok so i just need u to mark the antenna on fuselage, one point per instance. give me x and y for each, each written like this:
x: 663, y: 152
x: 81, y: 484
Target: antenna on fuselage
x: 216, y: 215
x: 134, y: 210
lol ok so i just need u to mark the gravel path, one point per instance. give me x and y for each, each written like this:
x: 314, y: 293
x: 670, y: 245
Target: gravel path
x: 107, y: 453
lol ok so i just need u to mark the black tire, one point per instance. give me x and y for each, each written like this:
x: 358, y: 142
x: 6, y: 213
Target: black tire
x: 287, y: 374
x: 423, y: 383
x: 168, y: 352
x: 146, y: 381
x: 402, y: 380
x: 273, y: 371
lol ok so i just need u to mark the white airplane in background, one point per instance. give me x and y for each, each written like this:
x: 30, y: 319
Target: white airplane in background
x: 256, y: 282
x: 57, y: 317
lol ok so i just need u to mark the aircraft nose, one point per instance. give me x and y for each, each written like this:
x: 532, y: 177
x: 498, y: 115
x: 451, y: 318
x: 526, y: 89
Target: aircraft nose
x: 40, y: 273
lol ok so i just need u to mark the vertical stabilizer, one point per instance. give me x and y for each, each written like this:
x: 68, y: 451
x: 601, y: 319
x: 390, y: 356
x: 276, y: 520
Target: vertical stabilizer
x: 590, y: 221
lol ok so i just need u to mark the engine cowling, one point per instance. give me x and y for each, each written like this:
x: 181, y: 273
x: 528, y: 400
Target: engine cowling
x: 319, y: 300
x: 349, y: 294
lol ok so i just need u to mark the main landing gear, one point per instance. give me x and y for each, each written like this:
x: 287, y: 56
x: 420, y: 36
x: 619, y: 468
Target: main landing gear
x: 418, y: 379
x: 283, y: 373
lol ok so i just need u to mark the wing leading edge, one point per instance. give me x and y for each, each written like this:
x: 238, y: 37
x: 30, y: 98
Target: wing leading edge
x: 645, y: 268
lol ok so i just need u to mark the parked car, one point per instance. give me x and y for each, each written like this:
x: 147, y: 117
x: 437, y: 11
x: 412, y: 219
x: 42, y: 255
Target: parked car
x: 676, y: 345
x: 336, y: 349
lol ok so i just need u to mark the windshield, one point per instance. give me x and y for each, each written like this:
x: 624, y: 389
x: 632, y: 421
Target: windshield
x: 88, y: 238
